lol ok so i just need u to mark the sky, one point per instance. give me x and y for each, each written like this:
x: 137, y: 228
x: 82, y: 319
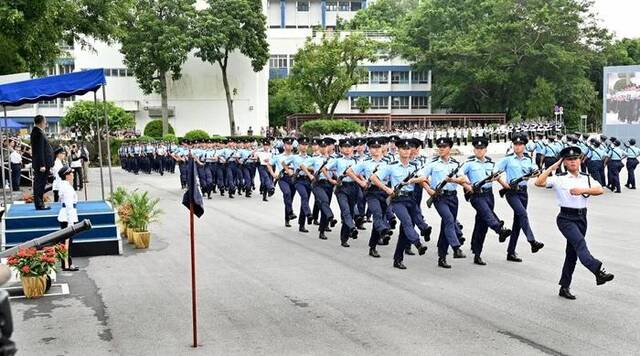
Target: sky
x: 620, y: 16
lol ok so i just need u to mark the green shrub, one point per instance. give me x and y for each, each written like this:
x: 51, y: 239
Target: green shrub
x: 326, y: 127
x: 170, y: 138
x: 154, y: 129
x: 197, y: 135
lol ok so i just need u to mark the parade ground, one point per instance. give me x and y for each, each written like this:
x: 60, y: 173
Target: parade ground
x: 264, y: 289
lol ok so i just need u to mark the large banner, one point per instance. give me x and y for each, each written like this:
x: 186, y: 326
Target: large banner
x: 622, y: 96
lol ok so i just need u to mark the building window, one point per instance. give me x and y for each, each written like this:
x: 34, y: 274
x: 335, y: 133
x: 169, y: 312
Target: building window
x: 420, y: 77
x: 379, y: 77
x: 364, y: 79
x: 356, y: 5
x: 303, y: 6
x: 399, y: 102
x: 65, y: 68
x: 354, y: 102
x: 399, y: 77
x: 48, y: 103
x: 344, y: 6
x: 292, y: 61
x: 332, y: 6
x: 380, y: 102
x: 419, y: 102
x: 278, y: 61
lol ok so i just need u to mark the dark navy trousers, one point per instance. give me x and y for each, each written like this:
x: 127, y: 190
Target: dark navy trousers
x: 632, y: 163
x: 323, y: 192
x: 347, y: 196
x: 596, y: 169
x: 288, y: 191
x: 574, y: 228
x: 377, y: 203
x: 405, y: 210
x: 518, y: 201
x: 447, y: 207
x: 303, y: 187
x: 486, y: 219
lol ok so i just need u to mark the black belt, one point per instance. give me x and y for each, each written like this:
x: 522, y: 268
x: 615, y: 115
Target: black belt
x: 64, y: 205
x: 348, y: 183
x: 405, y: 194
x: 520, y: 188
x: 485, y: 190
x: 300, y: 178
x: 573, y: 211
x: 449, y: 192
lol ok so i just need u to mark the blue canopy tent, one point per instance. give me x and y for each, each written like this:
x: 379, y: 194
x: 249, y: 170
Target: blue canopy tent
x: 13, y: 124
x: 59, y: 86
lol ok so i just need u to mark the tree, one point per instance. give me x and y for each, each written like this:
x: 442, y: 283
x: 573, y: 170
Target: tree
x: 325, y: 71
x: 227, y: 26
x: 382, y: 15
x: 196, y: 135
x: 153, y: 128
x: 363, y: 104
x: 328, y: 127
x: 155, y: 43
x: 284, y: 101
x: 541, y: 101
x: 31, y: 31
x: 83, y: 114
x: 487, y: 55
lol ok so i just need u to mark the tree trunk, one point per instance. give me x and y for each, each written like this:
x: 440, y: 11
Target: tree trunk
x: 225, y: 81
x: 164, y: 103
x: 333, y: 109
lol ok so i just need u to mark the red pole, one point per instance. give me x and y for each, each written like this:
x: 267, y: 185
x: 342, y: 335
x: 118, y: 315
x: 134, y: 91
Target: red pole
x: 193, y: 278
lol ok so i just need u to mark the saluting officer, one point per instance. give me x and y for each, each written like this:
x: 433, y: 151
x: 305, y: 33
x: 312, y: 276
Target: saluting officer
x: 477, y: 169
x: 572, y: 190
x: 516, y: 166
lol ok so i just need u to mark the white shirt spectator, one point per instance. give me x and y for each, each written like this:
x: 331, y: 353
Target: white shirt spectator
x: 15, y: 157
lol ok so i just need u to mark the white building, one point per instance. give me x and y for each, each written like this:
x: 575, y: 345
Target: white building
x: 197, y: 100
x: 392, y: 86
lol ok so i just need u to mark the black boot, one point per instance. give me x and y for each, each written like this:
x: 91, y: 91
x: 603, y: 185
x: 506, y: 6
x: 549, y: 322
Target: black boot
x: 393, y: 222
x: 442, y: 262
x: 566, y: 293
x: 513, y: 258
x: 271, y: 192
x: 399, y: 265
x: 503, y: 234
x: 603, y: 277
x: 422, y: 249
x: 536, y: 246
x: 264, y: 196
x: 333, y: 222
x: 373, y: 252
x: 322, y: 236
x: 457, y: 253
x: 302, y: 229
x: 426, y: 234
x: 354, y: 234
x: 286, y: 222
x: 478, y: 260
x: 309, y: 220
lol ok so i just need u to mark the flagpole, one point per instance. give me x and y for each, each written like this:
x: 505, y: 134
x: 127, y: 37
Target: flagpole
x: 193, y: 278
x: 194, y: 313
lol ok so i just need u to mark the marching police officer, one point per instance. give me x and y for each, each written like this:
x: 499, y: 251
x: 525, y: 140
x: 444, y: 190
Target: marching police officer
x: 518, y: 167
x: 573, y: 188
x: 479, y: 170
x: 632, y: 153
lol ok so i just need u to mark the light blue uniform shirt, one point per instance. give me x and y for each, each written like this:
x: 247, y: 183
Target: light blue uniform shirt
x: 539, y: 147
x: 295, y: 160
x: 530, y: 146
x: 396, y: 173
x: 438, y: 170
x: 551, y: 149
x: 277, y: 160
x: 617, y: 154
x: 516, y: 167
x: 366, y: 167
x: 477, y: 170
x: 315, y: 163
x: 596, y: 153
x: 633, y: 152
x: 340, y: 165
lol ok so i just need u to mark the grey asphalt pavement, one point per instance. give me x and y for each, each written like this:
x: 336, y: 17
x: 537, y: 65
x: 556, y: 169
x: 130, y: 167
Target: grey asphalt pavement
x: 264, y: 289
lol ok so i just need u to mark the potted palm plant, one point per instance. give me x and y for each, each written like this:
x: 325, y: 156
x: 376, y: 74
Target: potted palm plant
x: 34, y: 265
x: 119, y: 200
x: 144, y: 211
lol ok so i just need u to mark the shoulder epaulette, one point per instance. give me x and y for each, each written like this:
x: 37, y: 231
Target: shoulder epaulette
x: 488, y: 159
x: 434, y: 159
x: 509, y: 154
x: 454, y: 160
x: 396, y: 162
x: 526, y: 154
x: 471, y: 158
x: 562, y: 174
x: 584, y: 174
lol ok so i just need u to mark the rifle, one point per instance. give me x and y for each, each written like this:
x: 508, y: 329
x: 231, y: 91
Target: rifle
x: 475, y: 188
x: 440, y: 187
x: 339, y: 183
x: 399, y: 186
x: 316, y: 174
x: 514, y: 183
x: 280, y: 174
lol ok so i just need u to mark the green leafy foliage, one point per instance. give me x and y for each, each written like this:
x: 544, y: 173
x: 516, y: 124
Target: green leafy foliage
x: 542, y: 100
x: 155, y: 43
x: 363, y: 104
x: 119, y: 197
x: 30, y: 31
x: 144, y: 211
x: 196, y: 135
x: 284, y: 100
x: 326, y: 127
x: 227, y: 26
x: 154, y: 129
x: 325, y: 71
x: 170, y: 138
x: 382, y: 15
x: 83, y: 115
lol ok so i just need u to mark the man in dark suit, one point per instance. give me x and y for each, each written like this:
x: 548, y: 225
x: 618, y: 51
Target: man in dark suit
x: 42, y: 160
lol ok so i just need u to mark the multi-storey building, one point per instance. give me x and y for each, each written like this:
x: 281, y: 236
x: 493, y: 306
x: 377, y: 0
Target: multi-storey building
x: 392, y: 85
